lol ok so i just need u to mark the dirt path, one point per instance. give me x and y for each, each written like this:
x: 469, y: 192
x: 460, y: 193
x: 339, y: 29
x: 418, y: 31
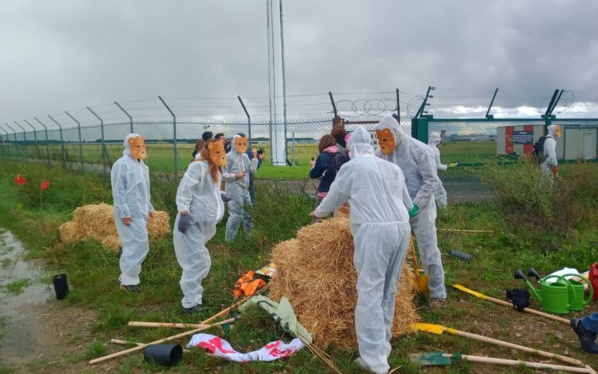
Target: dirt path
x: 38, y: 333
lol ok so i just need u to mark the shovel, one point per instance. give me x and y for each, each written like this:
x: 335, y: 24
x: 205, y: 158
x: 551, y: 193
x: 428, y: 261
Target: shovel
x: 444, y: 359
x: 421, y: 280
x: 439, y: 329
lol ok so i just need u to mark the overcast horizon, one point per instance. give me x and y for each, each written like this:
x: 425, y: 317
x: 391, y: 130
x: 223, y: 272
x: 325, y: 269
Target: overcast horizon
x: 200, y: 55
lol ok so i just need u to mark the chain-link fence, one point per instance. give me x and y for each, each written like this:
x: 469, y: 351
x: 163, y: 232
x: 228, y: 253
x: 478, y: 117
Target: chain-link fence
x: 92, y: 138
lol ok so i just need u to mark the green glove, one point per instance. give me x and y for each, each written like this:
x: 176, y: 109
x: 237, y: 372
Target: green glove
x: 413, y: 211
x: 453, y: 164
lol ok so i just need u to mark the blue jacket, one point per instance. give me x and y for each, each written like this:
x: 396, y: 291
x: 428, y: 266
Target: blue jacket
x: 322, y: 164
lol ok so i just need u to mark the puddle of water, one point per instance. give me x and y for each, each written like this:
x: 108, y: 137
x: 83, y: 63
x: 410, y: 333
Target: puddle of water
x: 17, y: 306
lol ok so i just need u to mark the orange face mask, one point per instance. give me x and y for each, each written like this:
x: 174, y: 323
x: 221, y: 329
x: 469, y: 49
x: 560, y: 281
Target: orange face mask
x: 557, y: 131
x: 217, y: 154
x: 241, y: 144
x: 386, y: 141
x: 137, y: 146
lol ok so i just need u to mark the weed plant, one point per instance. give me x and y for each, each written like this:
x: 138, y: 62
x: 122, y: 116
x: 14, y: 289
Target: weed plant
x: 538, y: 208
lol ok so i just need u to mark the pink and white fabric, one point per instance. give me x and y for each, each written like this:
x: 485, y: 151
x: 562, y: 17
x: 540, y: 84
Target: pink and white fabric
x: 221, y: 348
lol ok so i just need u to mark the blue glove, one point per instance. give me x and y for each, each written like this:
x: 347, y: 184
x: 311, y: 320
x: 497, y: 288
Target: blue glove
x: 184, y: 223
x: 413, y: 211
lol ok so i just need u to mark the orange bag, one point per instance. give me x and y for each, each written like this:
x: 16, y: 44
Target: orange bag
x: 248, y: 284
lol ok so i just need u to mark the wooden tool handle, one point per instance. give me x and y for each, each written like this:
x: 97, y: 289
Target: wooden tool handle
x: 481, y: 338
x: 140, y: 347
x: 166, y: 324
x: 502, y: 361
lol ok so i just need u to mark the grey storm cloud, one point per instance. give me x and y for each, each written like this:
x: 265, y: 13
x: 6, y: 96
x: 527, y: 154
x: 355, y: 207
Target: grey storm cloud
x: 66, y: 55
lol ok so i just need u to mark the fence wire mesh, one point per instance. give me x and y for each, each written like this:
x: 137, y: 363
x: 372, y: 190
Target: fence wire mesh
x: 92, y: 139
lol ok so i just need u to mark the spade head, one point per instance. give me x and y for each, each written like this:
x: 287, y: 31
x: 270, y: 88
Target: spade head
x: 429, y: 358
x: 519, y: 275
x: 533, y: 273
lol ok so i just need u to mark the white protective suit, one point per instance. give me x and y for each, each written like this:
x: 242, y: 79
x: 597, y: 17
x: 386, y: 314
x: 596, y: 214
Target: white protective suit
x: 199, y: 195
x: 417, y: 163
x: 549, y: 151
x: 131, y: 195
x: 440, y: 194
x: 238, y: 191
x: 379, y: 219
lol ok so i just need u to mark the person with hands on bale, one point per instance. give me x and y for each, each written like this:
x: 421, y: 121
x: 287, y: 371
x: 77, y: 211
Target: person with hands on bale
x: 379, y: 219
x: 200, y: 208
x: 237, y: 176
x: 434, y: 140
x: 132, y: 206
x: 419, y: 168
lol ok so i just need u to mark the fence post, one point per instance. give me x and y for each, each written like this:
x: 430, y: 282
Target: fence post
x: 128, y: 115
x: 47, y: 140
x: 419, y: 128
x: 398, y: 108
x: 104, y: 151
x: 34, y: 135
x: 16, y: 145
x: 61, y: 142
x: 174, y: 139
x: 24, y: 139
x: 80, y: 139
x: 248, y: 120
x: 6, y: 139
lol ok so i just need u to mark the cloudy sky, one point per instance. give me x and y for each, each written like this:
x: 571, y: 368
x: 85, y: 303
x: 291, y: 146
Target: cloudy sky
x: 200, y: 55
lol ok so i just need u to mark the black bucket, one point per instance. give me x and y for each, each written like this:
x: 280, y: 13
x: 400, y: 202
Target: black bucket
x: 165, y: 354
x: 61, y: 286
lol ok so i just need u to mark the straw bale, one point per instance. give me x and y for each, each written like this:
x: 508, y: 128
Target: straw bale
x: 158, y: 226
x: 70, y: 232
x: 111, y: 242
x: 97, y: 222
x: 315, y: 272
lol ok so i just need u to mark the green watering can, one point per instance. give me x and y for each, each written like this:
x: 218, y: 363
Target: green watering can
x: 576, y: 293
x: 554, y: 297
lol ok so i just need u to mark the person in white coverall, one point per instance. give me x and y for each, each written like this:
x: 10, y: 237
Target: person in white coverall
x: 434, y: 141
x: 132, y: 206
x: 238, y: 170
x: 200, y: 208
x: 417, y: 163
x: 550, y: 165
x: 379, y: 218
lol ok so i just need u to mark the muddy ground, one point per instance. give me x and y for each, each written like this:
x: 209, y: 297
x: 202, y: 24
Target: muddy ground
x: 38, y: 333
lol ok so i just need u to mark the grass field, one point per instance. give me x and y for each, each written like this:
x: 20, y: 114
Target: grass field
x: 93, y: 274
x: 161, y: 156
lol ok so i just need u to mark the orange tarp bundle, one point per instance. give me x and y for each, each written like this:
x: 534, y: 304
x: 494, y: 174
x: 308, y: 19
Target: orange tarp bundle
x: 248, y: 284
